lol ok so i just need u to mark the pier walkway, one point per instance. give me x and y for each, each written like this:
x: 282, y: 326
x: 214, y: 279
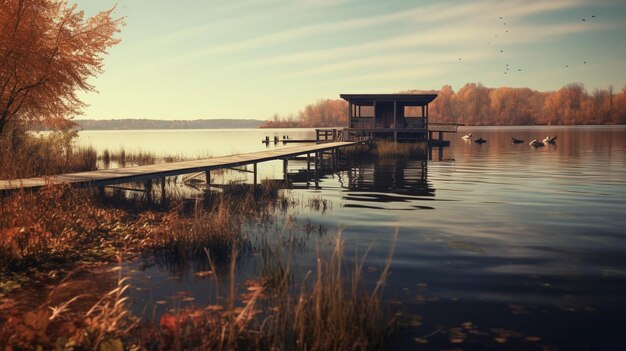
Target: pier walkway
x: 105, y: 177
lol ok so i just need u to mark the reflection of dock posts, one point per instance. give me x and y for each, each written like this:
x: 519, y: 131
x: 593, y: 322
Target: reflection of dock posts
x: 276, y: 139
x: 148, y: 187
x: 439, y: 152
x: 254, y: 169
x: 101, y: 191
x: 163, y: 198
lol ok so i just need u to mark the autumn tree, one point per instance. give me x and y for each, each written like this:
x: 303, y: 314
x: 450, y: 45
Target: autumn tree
x: 48, y: 50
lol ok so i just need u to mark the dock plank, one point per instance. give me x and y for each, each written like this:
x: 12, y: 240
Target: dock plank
x: 141, y: 173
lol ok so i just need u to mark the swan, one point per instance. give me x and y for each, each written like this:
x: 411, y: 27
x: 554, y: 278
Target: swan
x: 550, y: 140
x: 516, y: 141
x: 480, y: 140
x: 536, y: 143
x: 466, y: 137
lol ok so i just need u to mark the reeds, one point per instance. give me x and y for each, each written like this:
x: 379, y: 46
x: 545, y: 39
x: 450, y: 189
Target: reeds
x: 123, y: 158
x: 24, y: 154
x: 389, y: 149
x: 328, y: 309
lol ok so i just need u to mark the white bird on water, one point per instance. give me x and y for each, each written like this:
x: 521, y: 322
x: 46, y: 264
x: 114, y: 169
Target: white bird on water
x: 466, y: 137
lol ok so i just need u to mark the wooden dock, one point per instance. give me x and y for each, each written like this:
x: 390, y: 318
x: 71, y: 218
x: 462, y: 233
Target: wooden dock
x: 101, y: 178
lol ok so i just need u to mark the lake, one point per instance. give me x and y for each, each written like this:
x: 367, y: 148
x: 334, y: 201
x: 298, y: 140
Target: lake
x: 499, y: 245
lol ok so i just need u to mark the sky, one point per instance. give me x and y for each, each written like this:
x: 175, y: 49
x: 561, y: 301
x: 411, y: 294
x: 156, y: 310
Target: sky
x: 193, y: 59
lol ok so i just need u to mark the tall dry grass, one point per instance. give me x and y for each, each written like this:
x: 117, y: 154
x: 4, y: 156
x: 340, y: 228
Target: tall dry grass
x: 328, y: 309
x: 25, y: 154
x: 390, y: 149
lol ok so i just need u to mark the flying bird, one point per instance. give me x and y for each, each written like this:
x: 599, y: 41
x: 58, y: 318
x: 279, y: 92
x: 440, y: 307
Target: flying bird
x: 594, y: 16
x: 584, y: 20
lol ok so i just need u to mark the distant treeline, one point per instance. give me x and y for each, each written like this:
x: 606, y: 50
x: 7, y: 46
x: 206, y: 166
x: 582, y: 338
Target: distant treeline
x: 114, y: 124
x: 475, y: 104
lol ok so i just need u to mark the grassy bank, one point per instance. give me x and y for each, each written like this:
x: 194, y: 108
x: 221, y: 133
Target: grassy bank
x: 328, y: 308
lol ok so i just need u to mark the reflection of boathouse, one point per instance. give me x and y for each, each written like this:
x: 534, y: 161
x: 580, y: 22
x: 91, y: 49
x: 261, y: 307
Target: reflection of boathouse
x: 398, y: 117
x: 389, y: 181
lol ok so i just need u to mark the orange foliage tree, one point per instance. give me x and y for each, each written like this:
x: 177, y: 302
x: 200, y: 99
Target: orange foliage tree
x: 48, y: 50
x: 475, y: 104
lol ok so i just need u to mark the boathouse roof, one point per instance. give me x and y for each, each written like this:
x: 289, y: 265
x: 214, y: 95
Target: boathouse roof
x: 406, y: 99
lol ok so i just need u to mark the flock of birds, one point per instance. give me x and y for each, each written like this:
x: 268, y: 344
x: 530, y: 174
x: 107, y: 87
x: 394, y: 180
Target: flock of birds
x: 508, y: 69
x: 534, y: 143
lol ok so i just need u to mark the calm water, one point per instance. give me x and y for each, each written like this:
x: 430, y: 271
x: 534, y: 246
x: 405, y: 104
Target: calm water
x: 521, y: 242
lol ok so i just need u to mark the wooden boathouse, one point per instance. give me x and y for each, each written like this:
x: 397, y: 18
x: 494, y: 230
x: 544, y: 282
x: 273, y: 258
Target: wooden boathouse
x: 397, y: 117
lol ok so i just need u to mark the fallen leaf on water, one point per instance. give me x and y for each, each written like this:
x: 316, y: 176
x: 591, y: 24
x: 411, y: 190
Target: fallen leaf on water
x: 421, y: 341
x: 500, y: 340
x: 188, y: 298
x: 457, y: 340
x: 203, y: 274
x: 160, y: 302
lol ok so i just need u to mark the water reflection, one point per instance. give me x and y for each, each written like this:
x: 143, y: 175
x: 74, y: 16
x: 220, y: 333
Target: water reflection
x: 374, y: 183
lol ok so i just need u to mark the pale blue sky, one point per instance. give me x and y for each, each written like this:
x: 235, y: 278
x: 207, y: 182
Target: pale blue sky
x: 252, y: 58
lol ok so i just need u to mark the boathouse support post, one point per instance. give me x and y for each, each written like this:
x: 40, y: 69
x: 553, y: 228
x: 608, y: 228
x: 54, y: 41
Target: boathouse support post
x: 207, y: 178
x: 395, y: 116
x: 285, y: 165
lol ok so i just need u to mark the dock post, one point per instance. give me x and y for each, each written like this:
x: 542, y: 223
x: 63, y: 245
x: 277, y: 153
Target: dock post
x: 285, y: 164
x: 255, y: 173
x: 148, y: 186
x: 163, y: 198
x: 207, y: 176
x: 308, y: 164
x: 317, y: 164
